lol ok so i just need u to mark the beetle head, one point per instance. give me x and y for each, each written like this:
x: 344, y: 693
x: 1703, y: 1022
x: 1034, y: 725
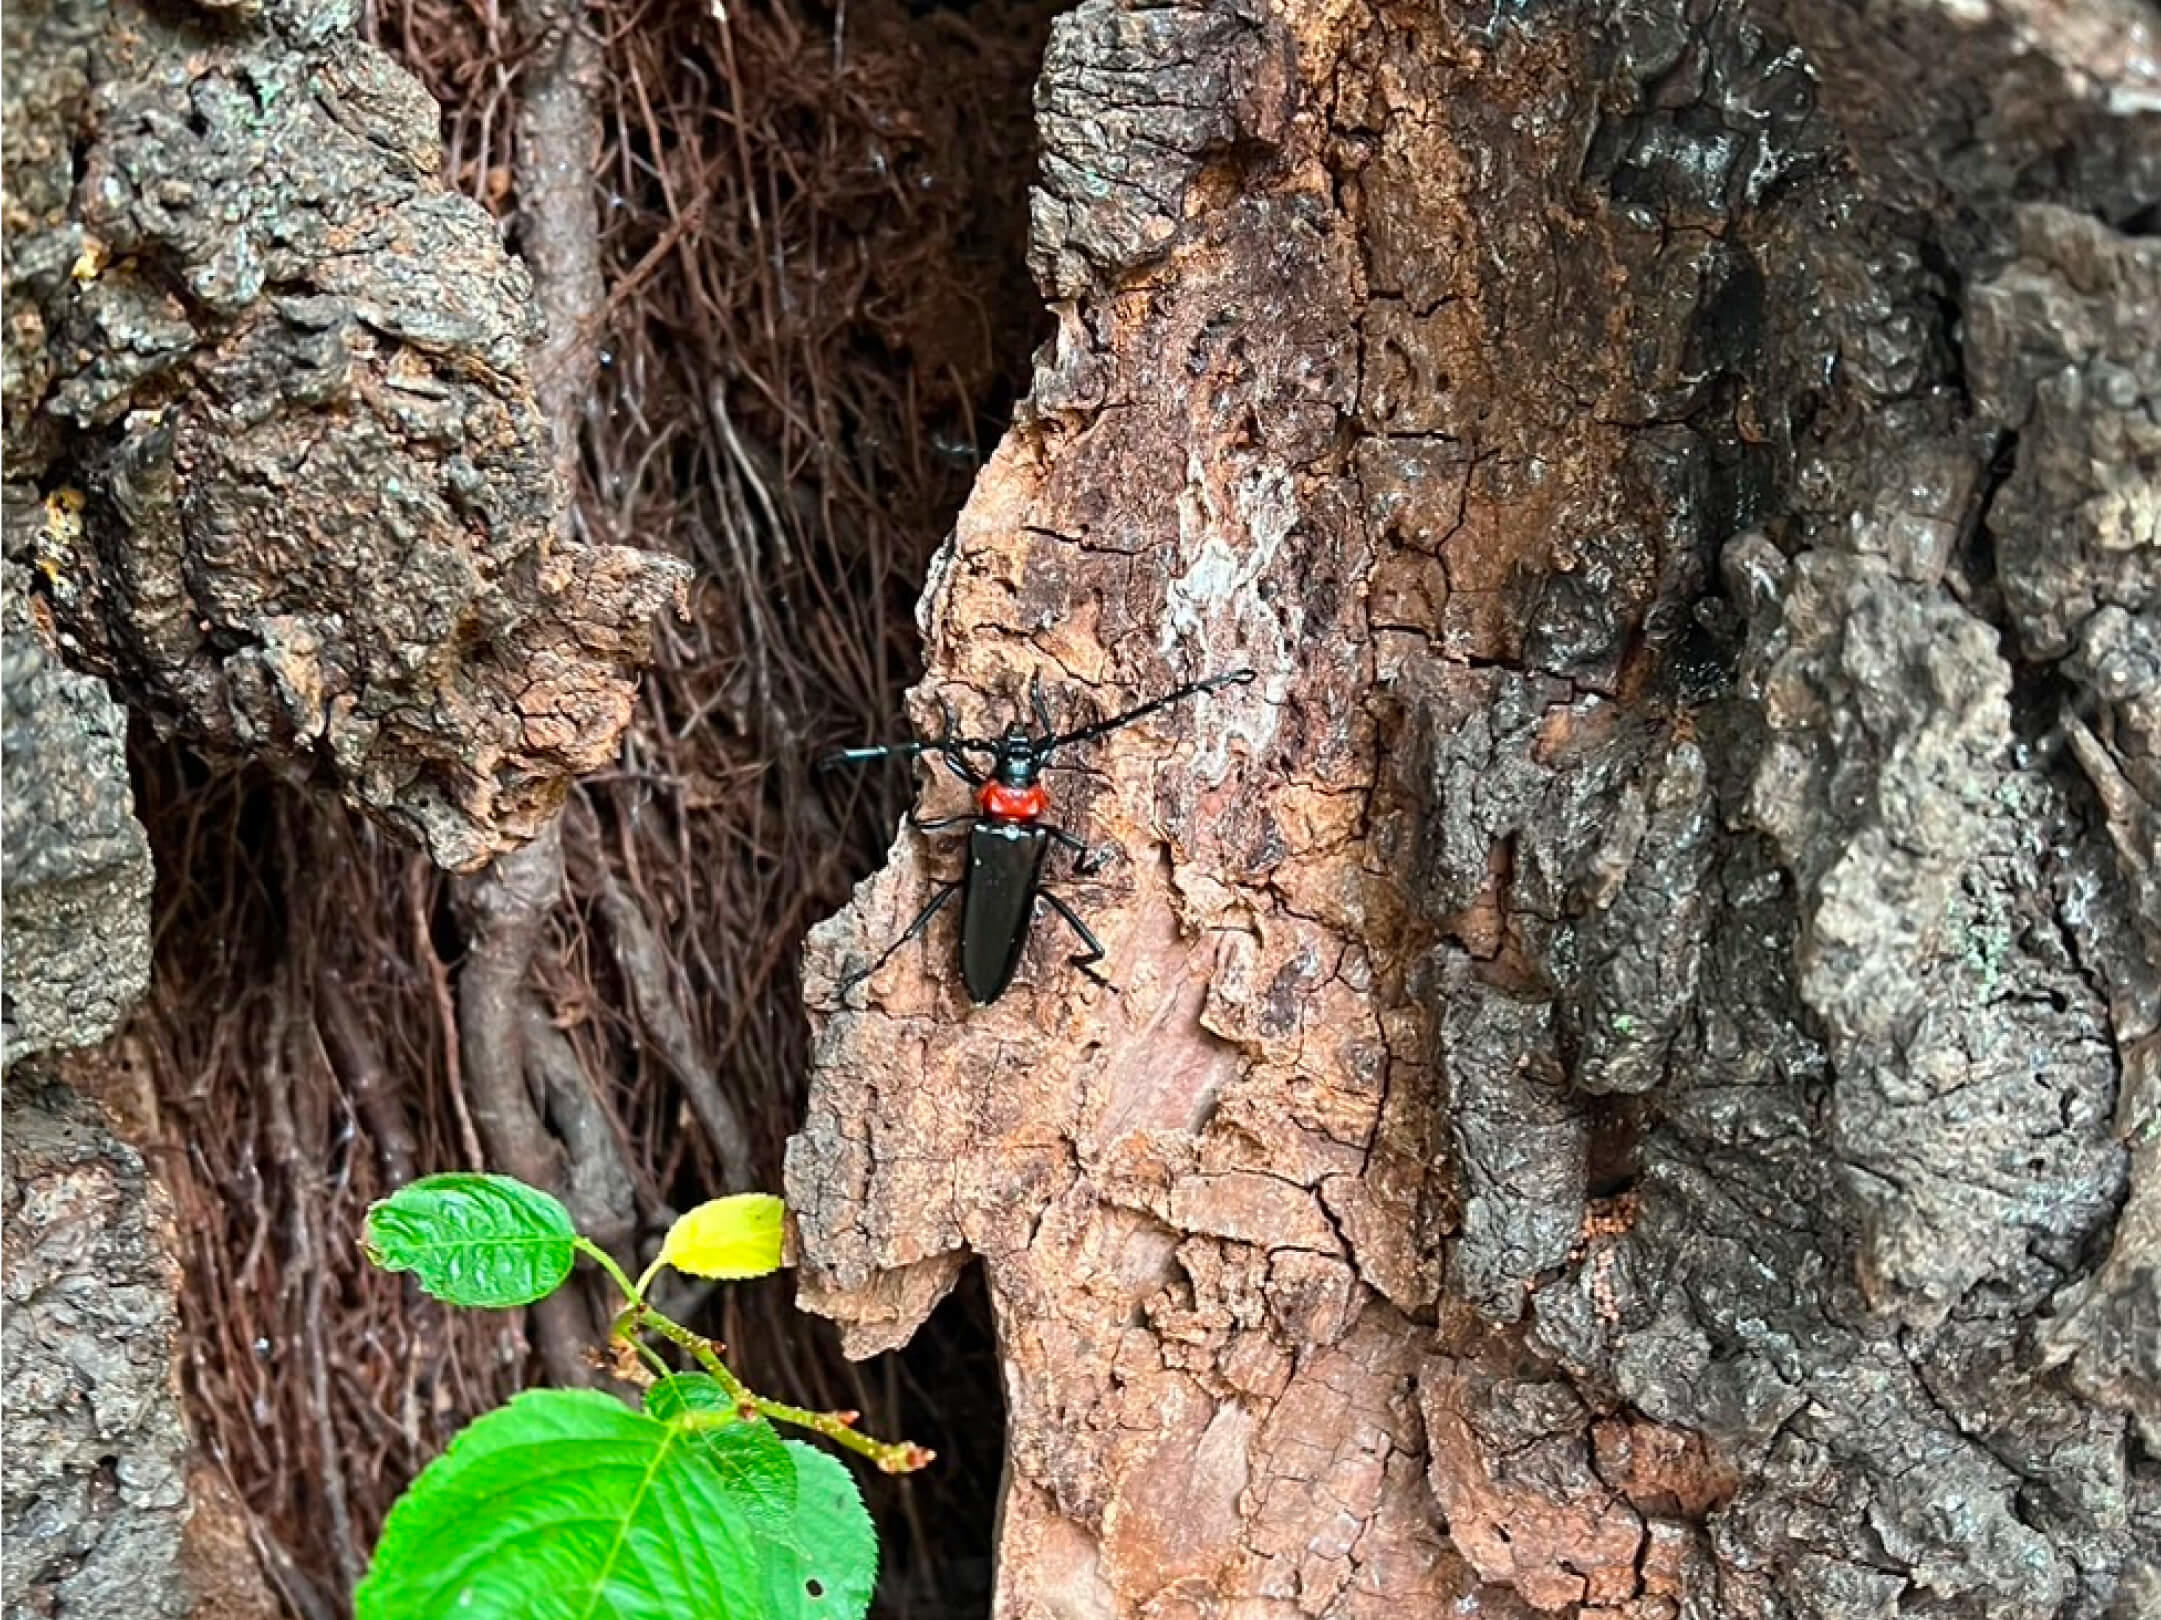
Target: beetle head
x: 1017, y: 759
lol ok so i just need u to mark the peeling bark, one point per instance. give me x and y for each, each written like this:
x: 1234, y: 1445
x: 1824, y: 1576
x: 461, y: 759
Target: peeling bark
x: 1629, y: 1091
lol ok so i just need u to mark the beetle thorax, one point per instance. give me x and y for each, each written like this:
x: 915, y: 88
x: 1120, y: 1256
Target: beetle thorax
x: 1004, y: 800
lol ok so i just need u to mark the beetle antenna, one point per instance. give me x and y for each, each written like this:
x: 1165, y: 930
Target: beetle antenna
x: 906, y: 750
x: 1237, y: 677
x: 870, y: 756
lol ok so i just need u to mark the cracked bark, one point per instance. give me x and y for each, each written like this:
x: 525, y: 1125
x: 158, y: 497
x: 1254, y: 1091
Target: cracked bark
x: 1631, y: 1090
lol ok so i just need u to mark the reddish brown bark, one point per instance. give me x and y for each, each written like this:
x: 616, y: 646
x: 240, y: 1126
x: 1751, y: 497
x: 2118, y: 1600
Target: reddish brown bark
x: 1430, y: 361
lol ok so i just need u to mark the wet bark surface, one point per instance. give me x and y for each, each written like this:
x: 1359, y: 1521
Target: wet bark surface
x: 1631, y: 1084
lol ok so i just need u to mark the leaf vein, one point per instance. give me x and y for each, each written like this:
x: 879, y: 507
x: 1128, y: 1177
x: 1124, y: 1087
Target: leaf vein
x: 630, y: 1514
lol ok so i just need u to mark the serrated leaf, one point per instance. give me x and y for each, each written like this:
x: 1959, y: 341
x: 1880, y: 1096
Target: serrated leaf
x: 677, y: 1395
x: 566, y: 1505
x: 826, y: 1566
x: 733, y: 1237
x: 755, y: 1466
x: 487, y: 1241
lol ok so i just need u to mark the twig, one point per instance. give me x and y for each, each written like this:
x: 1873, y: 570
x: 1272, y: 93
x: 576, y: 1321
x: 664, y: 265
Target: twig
x: 504, y: 909
x: 891, y: 1457
x: 601, y: 1191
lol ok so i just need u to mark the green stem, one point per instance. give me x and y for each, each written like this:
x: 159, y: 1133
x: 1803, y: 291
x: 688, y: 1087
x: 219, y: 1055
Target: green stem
x: 891, y: 1456
x: 699, y: 1349
x: 637, y: 1317
x: 653, y: 1358
x: 632, y: 1293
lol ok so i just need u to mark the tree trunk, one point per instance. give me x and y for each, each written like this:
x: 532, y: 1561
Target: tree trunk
x: 1632, y: 1084
x: 281, y: 374
x: 277, y: 471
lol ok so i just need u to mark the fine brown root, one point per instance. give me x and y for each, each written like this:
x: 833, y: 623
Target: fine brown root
x: 810, y: 318
x: 287, y: 1011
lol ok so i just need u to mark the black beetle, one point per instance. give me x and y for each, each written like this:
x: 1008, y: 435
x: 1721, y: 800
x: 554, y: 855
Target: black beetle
x: 1007, y: 837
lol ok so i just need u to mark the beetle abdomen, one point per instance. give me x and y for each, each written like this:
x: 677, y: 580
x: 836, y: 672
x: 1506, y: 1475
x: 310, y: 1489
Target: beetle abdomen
x: 1004, y: 863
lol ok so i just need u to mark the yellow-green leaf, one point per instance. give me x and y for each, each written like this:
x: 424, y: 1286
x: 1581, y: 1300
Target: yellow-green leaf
x: 738, y: 1236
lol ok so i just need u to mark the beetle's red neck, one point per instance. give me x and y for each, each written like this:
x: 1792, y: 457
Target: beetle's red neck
x: 1003, y: 802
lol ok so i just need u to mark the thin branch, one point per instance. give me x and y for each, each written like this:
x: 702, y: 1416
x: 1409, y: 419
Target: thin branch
x: 600, y: 1190
x: 504, y: 909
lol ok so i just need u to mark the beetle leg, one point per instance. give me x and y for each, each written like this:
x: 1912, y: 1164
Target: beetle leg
x: 957, y: 763
x: 1087, y: 860
x: 1095, y: 953
x: 940, y: 823
x: 915, y: 930
x: 949, y: 747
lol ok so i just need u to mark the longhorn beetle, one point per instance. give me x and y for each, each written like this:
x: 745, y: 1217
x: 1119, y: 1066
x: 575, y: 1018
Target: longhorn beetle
x: 1007, y: 837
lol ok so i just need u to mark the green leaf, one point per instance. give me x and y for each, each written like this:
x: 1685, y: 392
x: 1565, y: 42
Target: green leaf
x: 566, y: 1505
x: 827, y: 1564
x: 736, y: 1236
x: 486, y: 1241
x: 678, y: 1395
x: 754, y: 1465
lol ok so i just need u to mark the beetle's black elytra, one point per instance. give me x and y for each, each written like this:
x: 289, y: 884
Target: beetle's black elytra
x: 1008, y: 838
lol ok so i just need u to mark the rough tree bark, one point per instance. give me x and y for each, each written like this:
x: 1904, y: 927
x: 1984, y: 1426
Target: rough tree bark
x: 276, y: 469
x: 97, y: 1461
x: 288, y: 373
x: 1634, y: 1084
